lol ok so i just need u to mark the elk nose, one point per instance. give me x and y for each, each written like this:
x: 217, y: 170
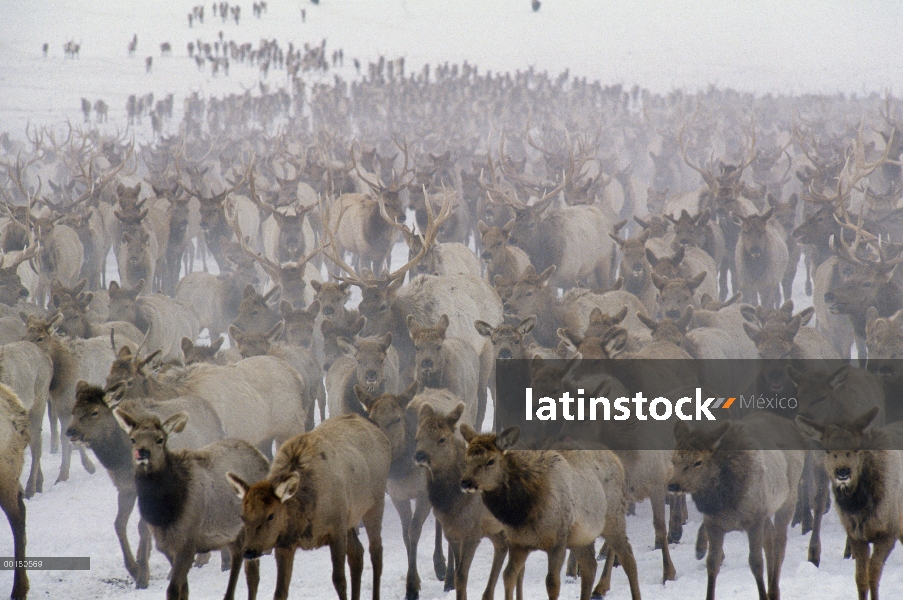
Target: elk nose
x: 328, y: 311
x: 420, y: 457
x: 370, y: 375
x: 142, y: 454
x: 842, y: 474
x: 673, y: 313
x: 505, y: 353
x: 426, y: 364
x: 467, y: 485
x: 673, y: 488
x: 23, y: 292
x: 829, y: 297
x: 70, y: 432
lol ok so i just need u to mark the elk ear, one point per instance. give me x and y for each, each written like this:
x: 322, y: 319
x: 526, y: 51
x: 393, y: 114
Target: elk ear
x: 794, y: 375
x: 651, y: 258
x: 678, y: 256
x: 55, y: 322
x: 737, y: 219
x: 871, y: 316
x: 615, y: 341
x: 752, y: 332
x: 810, y: 428
x: 749, y: 314
x: 806, y: 315
x: 81, y: 386
x: 696, y: 281
x: 317, y: 285
x: 452, y: 418
x: 507, y: 438
x: 426, y: 412
x: 288, y: 488
x: 838, y: 377
x: 527, y: 325
x: 406, y: 396
x: 187, y: 345
x: 385, y: 340
x: 620, y: 242
x: 619, y: 316
x: 347, y: 347
x: 467, y: 432
x: 125, y: 420
x: 314, y: 308
x: 793, y: 327
x: 113, y: 287
x: 718, y: 434
x: 249, y: 291
x: 565, y: 334
x: 238, y: 484
x: 413, y: 325
x: 649, y: 322
x: 659, y: 281
x: 704, y: 217
x: 285, y: 308
x: 215, y: 346
x: 483, y: 328
x: 364, y: 397
x: 793, y: 201
x: 236, y: 334
x: 768, y: 213
x: 482, y: 227
x: 547, y: 274
x: 863, y: 420
x: 681, y: 431
x: 125, y: 353
x: 443, y: 325
x: 641, y: 222
x: 176, y: 423
x: 273, y: 335
x: 684, y: 321
x: 508, y: 227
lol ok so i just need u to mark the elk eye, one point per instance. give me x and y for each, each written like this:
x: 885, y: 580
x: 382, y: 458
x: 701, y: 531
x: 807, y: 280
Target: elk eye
x: 517, y: 342
x: 271, y: 517
x: 40, y: 338
x: 441, y: 440
x: 490, y: 462
x: 698, y: 463
x: 94, y: 414
x: 382, y: 307
x: 394, y: 422
x: 529, y: 294
x: 867, y: 284
x: 160, y: 442
x: 133, y: 440
x: 255, y: 312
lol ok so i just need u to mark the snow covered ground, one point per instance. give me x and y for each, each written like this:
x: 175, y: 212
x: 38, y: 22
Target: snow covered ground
x: 796, y: 46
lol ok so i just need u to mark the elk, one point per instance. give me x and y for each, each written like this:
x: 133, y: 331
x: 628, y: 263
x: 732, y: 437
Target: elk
x: 675, y: 294
x: 262, y: 386
x: 28, y: 372
x: 443, y: 258
x: 72, y: 359
x: 551, y: 501
x: 884, y: 340
x: 502, y: 259
x: 738, y: 487
x: 465, y: 520
x: 396, y: 417
x: 60, y: 256
x: 865, y: 469
x: 635, y: 268
x: 686, y: 262
x: 386, y: 304
x: 370, y: 362
x: 94, y: 425
x: 299, y: 358
x: 162, y: 320
x: 760, y: 259
x: 451, y: 363
x: 184, y: 498
x: 365, y: 224
x: 321, y: 485
x: 14, y: 438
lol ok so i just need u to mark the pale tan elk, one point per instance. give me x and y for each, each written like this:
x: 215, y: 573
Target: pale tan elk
x: 14, y: 438
x: 321, y: 485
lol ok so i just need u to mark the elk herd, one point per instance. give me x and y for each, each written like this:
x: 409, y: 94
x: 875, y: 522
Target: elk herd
x: 362, y: 257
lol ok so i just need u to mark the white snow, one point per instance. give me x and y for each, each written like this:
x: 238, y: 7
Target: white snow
x: 790, y: 46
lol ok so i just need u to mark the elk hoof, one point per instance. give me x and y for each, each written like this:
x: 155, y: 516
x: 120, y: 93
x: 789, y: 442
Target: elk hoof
x: 669, y: 575
x: 449, y: 586
x: 412, y: 595
x: 700, y: 553
x: 62, y: 477
x: 439, y: 567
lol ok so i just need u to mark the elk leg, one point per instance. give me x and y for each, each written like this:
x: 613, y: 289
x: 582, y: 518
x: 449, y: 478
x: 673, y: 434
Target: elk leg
x: 881, y: 548
x: 604, y: 583
x: 675, y: 525
x: 756, y: 536
x: 13, y: 504
x: 178, y: 583
x: 860, y: 551
x: 775, y: 556
x: 225, y: 559
x: 285, y: 560
x: 35, y: 482
x: 373, y: 522
x: 822, y: 495
x: 585, y: 557
x: 412, y: 583
x: 463, y: 560
x: 661, y: 535
x: 338, y: 549
x: 252, y: 576
x: 715, y: 537
x: 438, y: 558
x: 235, y: 569
x: 355, y: 562
x: 454, y: 559
x: 126, y: 503
x: 515, y: 567
x: 500, y: 550
x: 571, y: 569
x: 702, y: 542
x: 54, y: 428
x: 144, y: 547
x: 66, y: 460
